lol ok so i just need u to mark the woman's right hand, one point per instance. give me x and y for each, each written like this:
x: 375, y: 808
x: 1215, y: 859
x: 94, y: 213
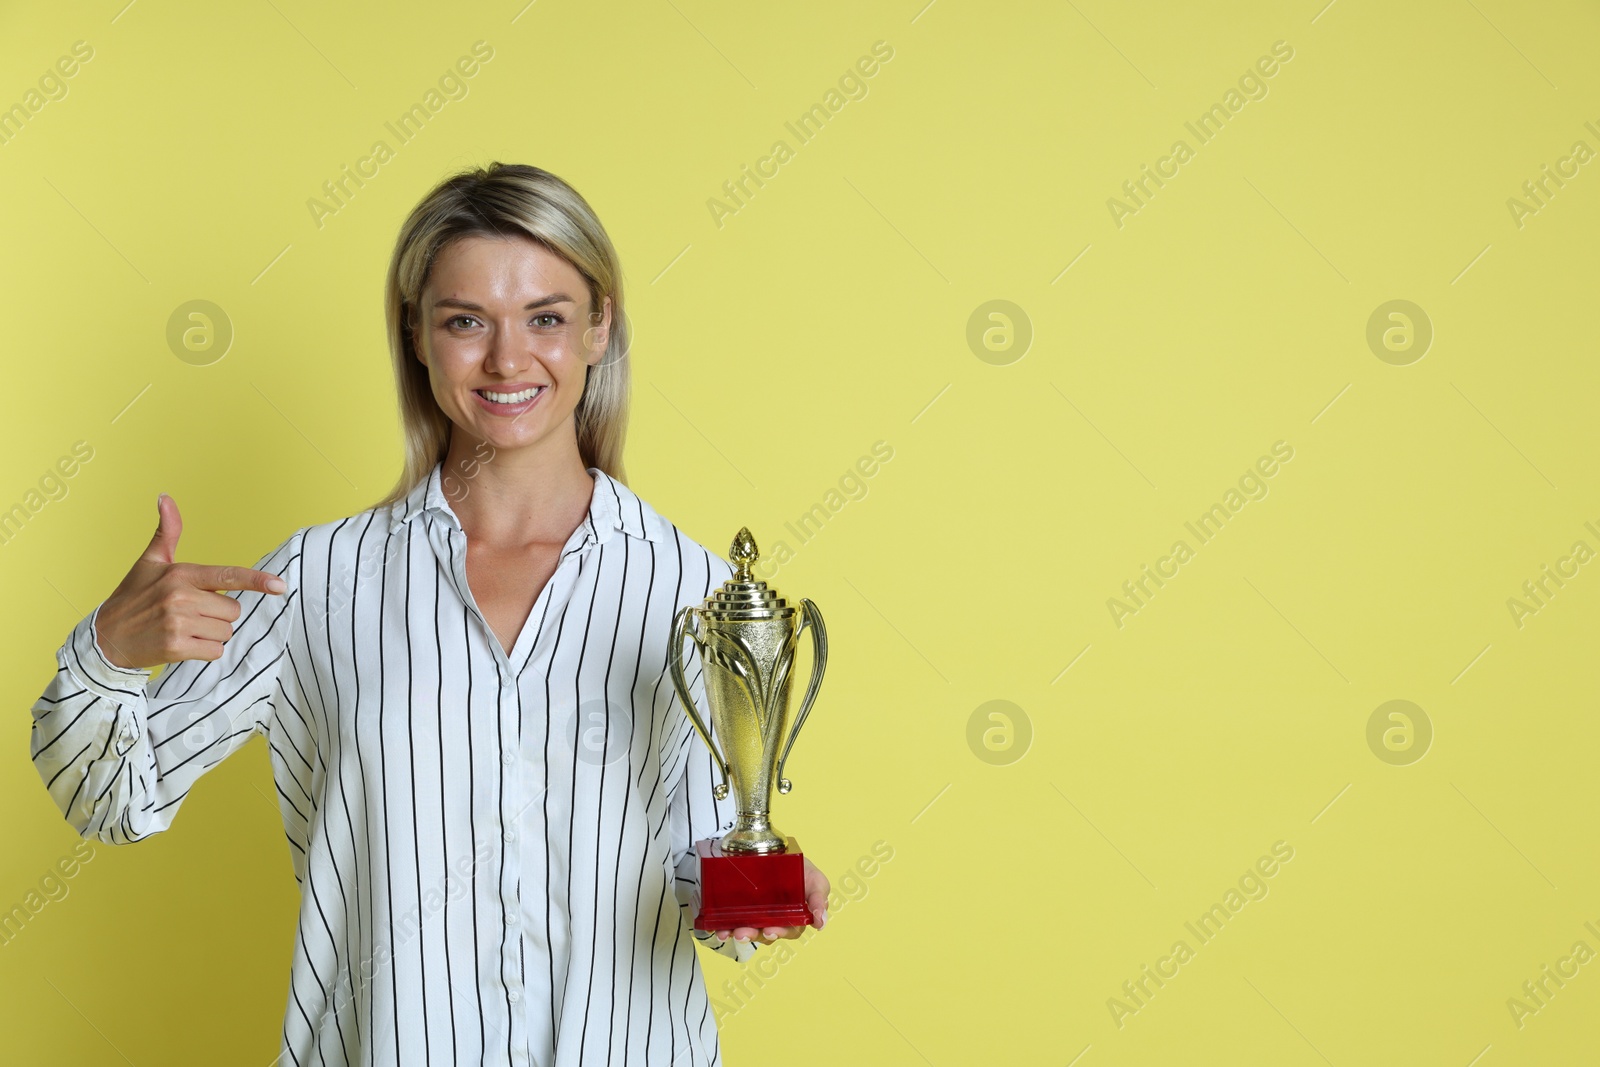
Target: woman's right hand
x: 164, y: 612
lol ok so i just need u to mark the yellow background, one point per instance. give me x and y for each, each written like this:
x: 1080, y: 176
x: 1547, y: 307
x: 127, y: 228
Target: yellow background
x: 829, y: 313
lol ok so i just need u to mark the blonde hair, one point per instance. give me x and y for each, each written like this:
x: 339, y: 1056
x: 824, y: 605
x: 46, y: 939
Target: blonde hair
x: 500, y: 200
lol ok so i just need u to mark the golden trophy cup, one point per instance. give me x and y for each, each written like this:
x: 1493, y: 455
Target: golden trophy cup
x: 747, y: 636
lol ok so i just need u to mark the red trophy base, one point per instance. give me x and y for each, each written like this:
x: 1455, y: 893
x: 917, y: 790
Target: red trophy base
x: 751, y: 889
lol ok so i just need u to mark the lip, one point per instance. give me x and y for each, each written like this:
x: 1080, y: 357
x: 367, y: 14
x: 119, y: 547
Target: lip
x: 510, y: 411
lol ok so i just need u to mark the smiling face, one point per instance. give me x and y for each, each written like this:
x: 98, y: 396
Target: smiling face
x: 505, y: 329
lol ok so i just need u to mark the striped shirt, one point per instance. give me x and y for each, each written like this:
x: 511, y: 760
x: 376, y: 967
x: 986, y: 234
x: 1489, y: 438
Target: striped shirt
x: 494, y: 852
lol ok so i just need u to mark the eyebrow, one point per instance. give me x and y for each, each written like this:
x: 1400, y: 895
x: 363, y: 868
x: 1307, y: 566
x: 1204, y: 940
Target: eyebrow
x: 467, y: 305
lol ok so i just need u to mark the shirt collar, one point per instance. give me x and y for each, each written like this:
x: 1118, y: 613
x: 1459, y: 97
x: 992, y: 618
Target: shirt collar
x: 613, y: 506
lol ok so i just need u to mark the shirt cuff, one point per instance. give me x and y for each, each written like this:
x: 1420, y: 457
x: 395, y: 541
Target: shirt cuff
x: 83, y: 657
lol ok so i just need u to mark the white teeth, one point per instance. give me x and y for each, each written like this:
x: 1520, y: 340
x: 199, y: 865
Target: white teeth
x: 510, y: 398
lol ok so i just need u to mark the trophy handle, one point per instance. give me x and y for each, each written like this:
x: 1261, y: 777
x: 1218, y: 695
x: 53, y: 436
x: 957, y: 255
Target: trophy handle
x: 819, y: 644
x: 680, y: 630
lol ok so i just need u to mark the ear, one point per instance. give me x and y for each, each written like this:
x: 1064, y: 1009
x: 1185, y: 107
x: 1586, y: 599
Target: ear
x: 597, y: 334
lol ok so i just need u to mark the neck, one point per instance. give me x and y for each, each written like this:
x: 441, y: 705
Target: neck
x: 515, y: 497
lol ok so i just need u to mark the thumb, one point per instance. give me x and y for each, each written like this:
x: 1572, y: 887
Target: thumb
x: 817, y: 901
x: 164, y: 545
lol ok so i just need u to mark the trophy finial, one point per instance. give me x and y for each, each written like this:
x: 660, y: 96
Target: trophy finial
x: 743, y: 552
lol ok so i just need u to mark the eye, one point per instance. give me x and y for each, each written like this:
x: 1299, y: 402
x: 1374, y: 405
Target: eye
x: 458, y: 318
x: 550, y: 315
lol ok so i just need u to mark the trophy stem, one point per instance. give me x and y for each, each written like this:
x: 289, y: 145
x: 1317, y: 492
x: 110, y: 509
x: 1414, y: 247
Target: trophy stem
x: 753, y: 833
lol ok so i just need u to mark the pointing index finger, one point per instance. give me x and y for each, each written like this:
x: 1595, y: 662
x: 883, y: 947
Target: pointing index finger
x: 235, y: 578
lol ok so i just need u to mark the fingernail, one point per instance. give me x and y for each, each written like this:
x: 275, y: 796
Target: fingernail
x: 275, y: 585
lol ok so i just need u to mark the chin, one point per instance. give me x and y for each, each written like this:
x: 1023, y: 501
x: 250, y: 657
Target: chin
x: 507, y: 438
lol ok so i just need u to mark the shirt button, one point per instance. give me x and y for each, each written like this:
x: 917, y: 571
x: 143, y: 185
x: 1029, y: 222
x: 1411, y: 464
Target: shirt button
x: 509, y: 835
x: 508, y: 759
x: 513, y: 996
x: 512, y: 918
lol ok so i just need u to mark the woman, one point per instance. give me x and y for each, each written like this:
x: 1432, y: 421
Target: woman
x: 489, y: 789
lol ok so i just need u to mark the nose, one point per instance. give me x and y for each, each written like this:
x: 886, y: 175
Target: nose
x: 507, y: 355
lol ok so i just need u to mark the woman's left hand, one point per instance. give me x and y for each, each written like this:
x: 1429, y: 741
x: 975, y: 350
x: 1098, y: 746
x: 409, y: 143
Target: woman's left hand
x: 816, y: 900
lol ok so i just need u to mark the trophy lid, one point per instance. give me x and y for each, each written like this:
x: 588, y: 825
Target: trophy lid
x: 744, y: 596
